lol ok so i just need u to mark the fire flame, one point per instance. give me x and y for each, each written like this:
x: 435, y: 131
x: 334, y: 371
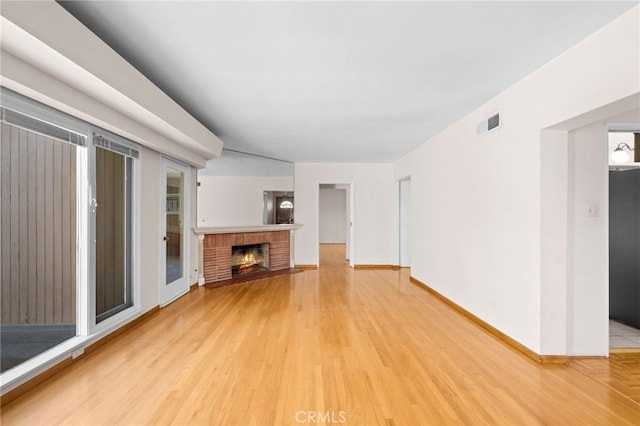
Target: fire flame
x: 249, y: 259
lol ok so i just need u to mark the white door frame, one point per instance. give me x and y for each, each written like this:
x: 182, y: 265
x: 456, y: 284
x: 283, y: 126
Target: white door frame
x: 169, y: 292
x: 350, y: 246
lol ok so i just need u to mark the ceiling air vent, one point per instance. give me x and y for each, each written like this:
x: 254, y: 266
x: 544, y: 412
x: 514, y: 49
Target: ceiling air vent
x: 489, y: 124
x: 494, y: 121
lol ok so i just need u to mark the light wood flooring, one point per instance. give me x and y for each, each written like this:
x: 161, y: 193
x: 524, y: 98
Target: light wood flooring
x: 336, y: 344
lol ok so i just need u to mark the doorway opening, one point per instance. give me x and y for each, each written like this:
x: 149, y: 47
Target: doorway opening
x: 624, y: 241
x: 335, y: 218
x: 278, y: 207
x: 575, y: 229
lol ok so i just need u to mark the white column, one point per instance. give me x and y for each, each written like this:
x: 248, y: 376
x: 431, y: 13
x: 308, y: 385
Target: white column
x: 200, y: 259
x: 292, y: 262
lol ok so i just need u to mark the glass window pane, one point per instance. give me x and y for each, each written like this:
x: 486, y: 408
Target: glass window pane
x: 174, y: 218
x: 112, y: 236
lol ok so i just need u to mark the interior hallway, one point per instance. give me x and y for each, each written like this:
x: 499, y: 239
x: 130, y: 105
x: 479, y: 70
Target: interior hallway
x: 364, y: 345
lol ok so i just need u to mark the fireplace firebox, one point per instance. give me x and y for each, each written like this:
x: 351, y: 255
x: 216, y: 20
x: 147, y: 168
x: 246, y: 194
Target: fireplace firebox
x: 249, y: 259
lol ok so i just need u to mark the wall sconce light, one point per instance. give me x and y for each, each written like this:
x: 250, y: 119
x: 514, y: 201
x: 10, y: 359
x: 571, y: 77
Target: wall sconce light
x: 621, y: 154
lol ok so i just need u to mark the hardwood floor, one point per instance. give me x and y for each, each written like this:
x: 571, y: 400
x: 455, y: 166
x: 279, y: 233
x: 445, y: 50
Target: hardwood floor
x: 621, y: 373
x: 334, y: 344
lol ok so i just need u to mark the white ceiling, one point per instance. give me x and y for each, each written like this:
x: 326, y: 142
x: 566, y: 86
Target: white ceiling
x: 337, y: 81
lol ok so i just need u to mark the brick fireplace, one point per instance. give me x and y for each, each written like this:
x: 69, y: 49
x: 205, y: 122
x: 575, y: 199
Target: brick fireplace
x: 219, y: 260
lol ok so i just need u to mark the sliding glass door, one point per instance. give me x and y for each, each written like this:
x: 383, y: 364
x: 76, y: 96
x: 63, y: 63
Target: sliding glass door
x: 66, y: 222
x: 113, y: 233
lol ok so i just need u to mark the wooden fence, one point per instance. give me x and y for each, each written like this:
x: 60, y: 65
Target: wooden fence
x: 110, y: 230
x: 38, y: 225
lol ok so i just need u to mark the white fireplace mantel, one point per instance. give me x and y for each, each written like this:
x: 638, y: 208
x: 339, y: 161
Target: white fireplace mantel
x: 249, y: 228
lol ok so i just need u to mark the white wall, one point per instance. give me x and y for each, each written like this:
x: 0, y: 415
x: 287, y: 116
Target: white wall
x: 150, y: 192
x: 333, y: 216
x: 553, y: 247
x: 237, y: 200
x: 484, y: 216
x: 588, y: 253
x: 372, y: 185
x: 404, y: 214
